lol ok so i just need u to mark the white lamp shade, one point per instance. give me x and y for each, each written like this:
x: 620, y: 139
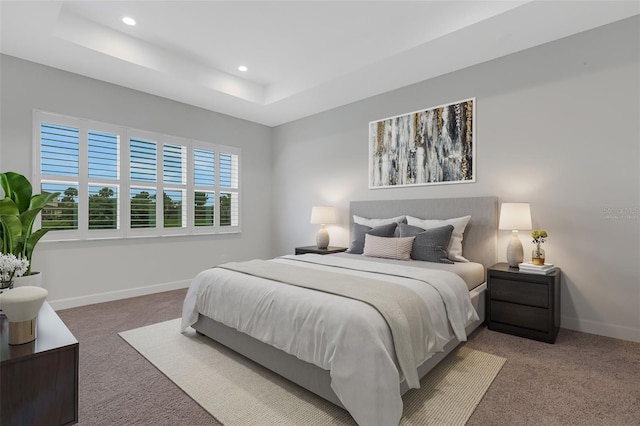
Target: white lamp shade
x: 321, y: 215
x: 515, y: 216
x: 22, y: 303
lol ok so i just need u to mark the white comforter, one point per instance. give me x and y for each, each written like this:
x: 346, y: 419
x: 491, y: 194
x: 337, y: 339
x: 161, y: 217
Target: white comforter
x: 347, y: 337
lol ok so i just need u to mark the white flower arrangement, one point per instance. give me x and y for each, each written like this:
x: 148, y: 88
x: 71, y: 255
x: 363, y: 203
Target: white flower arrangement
x: 12, y: 266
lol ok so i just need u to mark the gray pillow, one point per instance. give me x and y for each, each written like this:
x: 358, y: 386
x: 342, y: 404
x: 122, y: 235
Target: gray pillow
x: 359, y: 231
x: 431, y: 244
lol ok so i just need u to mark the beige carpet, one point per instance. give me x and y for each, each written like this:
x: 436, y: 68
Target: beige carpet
x: 237, y: 391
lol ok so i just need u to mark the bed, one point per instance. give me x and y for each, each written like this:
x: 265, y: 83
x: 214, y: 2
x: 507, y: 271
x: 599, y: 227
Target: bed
x: 369, y: 383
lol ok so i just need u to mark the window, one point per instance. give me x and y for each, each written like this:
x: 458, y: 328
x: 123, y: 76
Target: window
x: 119, y: 182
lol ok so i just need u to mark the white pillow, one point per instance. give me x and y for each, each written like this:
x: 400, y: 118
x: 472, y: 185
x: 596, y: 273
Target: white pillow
x: 388, y: 247
x: 455, y: 244
x: 377, y: 222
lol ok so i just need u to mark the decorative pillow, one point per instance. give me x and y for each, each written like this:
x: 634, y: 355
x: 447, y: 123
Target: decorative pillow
x: 390, y: 248
x: 358, y: 233
x: 431, y: 244
x: 459, y: 224
x: 377, y: 222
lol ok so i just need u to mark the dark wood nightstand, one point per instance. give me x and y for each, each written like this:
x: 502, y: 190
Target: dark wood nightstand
x: 39, y: 379
x: 316, y: 250
x: 522, y: 303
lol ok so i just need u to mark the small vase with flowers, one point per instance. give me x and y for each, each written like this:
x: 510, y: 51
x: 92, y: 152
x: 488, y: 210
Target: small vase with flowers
x: 537, y: 255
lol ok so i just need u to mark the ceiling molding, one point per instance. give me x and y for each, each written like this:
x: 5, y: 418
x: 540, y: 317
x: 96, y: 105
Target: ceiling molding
x: 304, y: 57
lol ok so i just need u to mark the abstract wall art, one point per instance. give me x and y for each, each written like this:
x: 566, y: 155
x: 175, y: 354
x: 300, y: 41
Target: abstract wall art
x: 428, y: 147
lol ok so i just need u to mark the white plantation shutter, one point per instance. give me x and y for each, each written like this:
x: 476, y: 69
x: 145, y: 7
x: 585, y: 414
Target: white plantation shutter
x: 61, y: 213
x: 60, y: 163
x: 203, y: 168
x: 229, y: 199
x: 119, y: 182
x: 228, y: 170
x: 175, y: 164
x: 174, y: 209
x: 143, y: 208
x: 59, y: 150
x: 103, y: 171
x: 229, y: 209
x: 143, y: 160
x: 204, y: 180
x: 104, y: 155
x: 103, y: 207
x: 204, y: 211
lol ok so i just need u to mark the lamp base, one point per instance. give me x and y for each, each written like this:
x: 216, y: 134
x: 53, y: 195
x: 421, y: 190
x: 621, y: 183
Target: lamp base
x: 322, y: 239
x: 22, y: 332
x: 515, y: 251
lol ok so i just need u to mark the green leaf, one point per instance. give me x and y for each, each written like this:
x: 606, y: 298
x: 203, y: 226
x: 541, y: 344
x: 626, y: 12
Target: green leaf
x: 17, y: 188
x: 31, y: 244
x: 4, y: 183
x: 8, y: 208
x: 11, y: 233
x: 40, y: 200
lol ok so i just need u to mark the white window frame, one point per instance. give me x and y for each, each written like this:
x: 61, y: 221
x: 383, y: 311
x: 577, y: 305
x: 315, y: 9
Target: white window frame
x: 124, y: 183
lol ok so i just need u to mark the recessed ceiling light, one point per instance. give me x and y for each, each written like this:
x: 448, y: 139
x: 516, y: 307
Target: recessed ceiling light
x: 129, y: 20
x: 243, y: 68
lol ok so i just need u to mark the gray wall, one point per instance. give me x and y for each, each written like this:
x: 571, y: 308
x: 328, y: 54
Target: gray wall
x: 83, y: 272
x: 557, y: 126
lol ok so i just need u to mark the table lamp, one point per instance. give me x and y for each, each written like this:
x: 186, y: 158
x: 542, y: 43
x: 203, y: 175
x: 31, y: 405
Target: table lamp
x: 323, y: 215
x: 515, y: 217
x: 21, y: 306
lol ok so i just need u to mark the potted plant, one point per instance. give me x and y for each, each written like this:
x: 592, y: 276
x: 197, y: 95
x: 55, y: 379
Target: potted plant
x: 18, y: 212
x: 11, y: 267
x: 537, y: 256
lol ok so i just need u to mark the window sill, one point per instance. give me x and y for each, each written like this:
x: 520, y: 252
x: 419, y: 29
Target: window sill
x: 136, y: 237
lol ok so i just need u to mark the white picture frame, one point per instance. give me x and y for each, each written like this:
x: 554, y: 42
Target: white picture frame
x: 428, y: 147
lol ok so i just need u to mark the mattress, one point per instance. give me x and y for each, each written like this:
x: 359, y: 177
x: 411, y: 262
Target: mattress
x: 472, y: 273
x: 346, y: 337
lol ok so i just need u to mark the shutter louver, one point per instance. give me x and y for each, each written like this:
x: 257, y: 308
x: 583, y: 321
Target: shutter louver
x: 143, y: 208
x: 175, y: 164
x: 62, y: 212
x: 203, y: 167
x: 103, y: 207
x: 228, y: 170
x: 204, y: 211
x: 173, y: 209
x: 59, y: 150
x: 104, y: 155
x: 229, y: 209
x: 143, y: 160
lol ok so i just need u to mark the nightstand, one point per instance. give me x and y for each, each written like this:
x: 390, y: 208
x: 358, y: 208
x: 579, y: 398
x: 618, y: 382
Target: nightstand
x: 39, y: 379
x: 523, y: 304
x: 316, y: 250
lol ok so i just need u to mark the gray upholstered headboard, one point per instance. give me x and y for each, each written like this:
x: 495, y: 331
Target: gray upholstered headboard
x: 480, y: 236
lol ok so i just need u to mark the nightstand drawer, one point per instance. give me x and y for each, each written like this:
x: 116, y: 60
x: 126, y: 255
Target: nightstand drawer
x: 525, y: 293
x: 520, y: 315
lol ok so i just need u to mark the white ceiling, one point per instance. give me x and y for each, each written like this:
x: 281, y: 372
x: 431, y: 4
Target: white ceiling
x: 304, y: 57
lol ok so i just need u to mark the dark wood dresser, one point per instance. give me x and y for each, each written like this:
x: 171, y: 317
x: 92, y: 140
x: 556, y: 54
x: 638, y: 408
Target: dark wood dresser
x: 39, y: 380
x: 523, y: 304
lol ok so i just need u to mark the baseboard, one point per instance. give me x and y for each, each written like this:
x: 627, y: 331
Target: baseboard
x: 74, y: 302
x: 602, y: 329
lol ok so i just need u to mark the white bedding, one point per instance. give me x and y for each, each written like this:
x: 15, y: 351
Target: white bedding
x: 347, y: 337
x: 471, y: 272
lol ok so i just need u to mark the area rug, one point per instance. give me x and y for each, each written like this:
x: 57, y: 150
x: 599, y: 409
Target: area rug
x: 239, y: 392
